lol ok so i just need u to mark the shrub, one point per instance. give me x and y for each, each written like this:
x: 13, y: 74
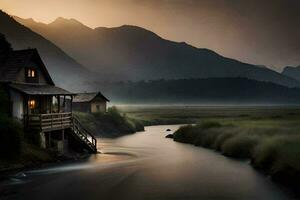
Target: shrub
x: 186, y: 134
x: 114, y: 113
x: 110, y: 124
x: 266, y: 153
x: 280, y: 157
x: 11, y: 134
x: 5, y: 46
x: 138, y: 125
x: 198, y: 134
x: 221, y: 139
x: 207, y: 138
x: 209, y: 124
x: 240, y: 146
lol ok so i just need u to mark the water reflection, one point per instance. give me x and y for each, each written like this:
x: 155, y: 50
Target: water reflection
x: 148, y: 166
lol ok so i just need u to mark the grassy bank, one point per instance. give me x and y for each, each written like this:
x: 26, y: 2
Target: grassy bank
x: 110, y: 124
x: 267, y: 135
x: 164, y: 115
x: 273, y: 145
x: 15, y: 150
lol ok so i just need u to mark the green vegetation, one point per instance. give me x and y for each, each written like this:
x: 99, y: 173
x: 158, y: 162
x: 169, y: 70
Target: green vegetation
x: 10, y: 130
x: 15, y: 150
x: 5, y: 46
x: 272, y: 145
x: 158, y: 115
x: 11, y: 135
x: 268, y: 136
x: 110, y: 124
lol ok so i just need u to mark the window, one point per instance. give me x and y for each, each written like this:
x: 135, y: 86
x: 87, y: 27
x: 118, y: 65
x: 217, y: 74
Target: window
x: 32, y: 104
x: 31, y: 73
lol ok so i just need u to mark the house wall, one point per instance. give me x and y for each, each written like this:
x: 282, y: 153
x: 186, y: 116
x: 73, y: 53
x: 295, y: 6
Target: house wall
x: 21, y: 75
x: 17, y: 105
x: 82, y: 107
x: 98, y: 106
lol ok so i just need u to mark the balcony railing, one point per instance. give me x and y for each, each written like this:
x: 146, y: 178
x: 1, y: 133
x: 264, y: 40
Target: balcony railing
x: 49, y: 122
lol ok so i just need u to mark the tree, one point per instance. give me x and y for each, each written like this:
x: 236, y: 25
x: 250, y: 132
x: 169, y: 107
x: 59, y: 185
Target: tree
x: 5, y: 46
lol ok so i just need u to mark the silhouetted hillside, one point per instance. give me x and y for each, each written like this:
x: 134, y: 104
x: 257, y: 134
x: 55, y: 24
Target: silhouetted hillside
x: 133, y: 53
x: 206, y: 91
x: 65, y: 71
x: 293, y: 72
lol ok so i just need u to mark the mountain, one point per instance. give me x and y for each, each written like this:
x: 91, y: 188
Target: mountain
x: 233, y: 91
x: 293, y: 72
x: 65, y: 71
x: 134, y: 53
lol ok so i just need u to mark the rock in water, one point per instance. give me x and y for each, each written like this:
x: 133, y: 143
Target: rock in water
x: 170, y: 136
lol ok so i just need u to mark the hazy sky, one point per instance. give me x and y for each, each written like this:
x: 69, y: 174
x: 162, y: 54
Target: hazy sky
x: 262, y: 32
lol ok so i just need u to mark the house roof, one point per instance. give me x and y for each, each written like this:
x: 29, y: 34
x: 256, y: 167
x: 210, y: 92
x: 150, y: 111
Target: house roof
x: 88, y: 97
x: 16, y: 60
x: 31, y: 89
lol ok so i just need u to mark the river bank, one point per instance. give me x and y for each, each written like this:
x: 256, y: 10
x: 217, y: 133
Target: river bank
x: 27, y: 154
x: 146, y: 166
x: 271, y: 130
x: 271, y: 145
x: 34, y: 158
x: 111, y: 124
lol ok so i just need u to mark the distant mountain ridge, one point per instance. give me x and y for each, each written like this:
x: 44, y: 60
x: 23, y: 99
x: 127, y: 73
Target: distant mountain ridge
x: 212, y: 91
x: 65, y: 71
x: 293, y: 72
x: 134, y: 53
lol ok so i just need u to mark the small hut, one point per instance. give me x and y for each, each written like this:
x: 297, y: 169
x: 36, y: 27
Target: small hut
x: 90, y: 102
x: 39, y: 104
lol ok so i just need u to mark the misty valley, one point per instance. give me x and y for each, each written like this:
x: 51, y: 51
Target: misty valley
x: 149, y: 100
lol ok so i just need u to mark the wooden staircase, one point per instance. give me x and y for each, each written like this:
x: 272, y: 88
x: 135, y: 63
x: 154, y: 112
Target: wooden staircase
x: 83, y: 136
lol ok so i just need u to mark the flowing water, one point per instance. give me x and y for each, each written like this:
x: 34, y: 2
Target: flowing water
x: 145, y: 166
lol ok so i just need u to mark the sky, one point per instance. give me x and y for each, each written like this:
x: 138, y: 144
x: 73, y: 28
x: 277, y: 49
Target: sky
x: 263, y: 32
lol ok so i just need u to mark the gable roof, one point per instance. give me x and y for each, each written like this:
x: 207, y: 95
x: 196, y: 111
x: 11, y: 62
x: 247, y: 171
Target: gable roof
x: 16, y: 60
x: 32, y: 89
x: 88, y: 97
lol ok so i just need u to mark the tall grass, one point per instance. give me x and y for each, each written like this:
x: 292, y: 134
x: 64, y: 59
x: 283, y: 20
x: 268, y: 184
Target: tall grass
x: 240, y: 146
x: 274, y: 150
x: 280, y: 157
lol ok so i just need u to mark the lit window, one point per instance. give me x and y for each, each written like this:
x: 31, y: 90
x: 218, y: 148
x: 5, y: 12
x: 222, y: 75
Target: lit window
x: 31, y: 73
x: 31, y: 104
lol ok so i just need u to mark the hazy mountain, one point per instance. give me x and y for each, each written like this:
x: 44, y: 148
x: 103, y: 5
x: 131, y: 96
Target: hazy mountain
x: 133, y: 53
x: 293, y: 72
x: 65, y: 71
x: 202, y: 91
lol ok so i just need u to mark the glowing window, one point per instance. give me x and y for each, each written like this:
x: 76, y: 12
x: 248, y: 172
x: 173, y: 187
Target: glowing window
x: 31, y: 73
x: 31, y: 104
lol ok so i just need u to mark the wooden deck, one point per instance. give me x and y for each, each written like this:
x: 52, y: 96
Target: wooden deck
x: 59, y: 121
x: 49, y: 122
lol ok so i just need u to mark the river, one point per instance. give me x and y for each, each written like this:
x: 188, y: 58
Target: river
x: 145, y: 166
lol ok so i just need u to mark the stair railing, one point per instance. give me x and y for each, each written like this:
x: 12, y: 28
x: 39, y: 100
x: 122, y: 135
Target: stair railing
x: 84, y: 134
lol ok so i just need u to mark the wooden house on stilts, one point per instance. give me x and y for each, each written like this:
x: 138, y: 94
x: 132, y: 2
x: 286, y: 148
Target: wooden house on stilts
x: 44, y: 108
